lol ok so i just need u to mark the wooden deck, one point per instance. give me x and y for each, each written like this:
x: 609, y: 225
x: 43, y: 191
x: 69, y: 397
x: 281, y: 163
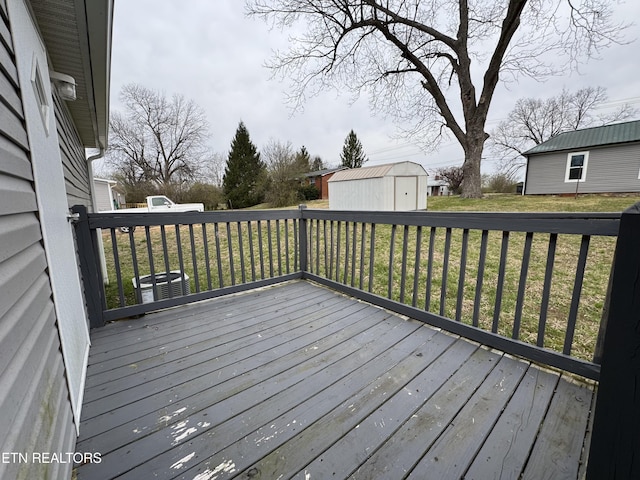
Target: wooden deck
x: 297, y: 381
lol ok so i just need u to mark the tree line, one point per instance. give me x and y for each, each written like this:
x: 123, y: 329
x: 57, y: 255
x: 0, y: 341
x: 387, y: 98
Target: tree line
x: 158, y: 145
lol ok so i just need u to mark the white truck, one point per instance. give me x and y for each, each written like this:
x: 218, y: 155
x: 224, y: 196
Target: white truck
x: 160, y: 203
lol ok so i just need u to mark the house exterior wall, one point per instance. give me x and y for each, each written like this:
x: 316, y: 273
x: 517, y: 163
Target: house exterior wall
x: 609, y: 169
x: 324, y: 186
x: 104, y: 200
x: 74, y: 164
x: 34, y: 398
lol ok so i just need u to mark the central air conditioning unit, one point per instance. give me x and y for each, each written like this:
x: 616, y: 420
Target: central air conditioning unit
x: 165, y: 282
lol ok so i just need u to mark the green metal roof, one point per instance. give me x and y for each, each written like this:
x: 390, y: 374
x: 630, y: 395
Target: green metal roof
x: 590, y: 137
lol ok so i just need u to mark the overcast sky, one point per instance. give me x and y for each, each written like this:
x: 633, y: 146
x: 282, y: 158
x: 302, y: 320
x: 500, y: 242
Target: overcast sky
x: 209, y: 51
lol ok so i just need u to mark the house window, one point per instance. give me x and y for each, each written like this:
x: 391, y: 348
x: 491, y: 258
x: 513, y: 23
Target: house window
x: 577, y: 167
x: 40, y: 94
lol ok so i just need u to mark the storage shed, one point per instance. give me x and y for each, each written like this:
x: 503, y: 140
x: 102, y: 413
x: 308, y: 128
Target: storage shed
x: 395, y: 186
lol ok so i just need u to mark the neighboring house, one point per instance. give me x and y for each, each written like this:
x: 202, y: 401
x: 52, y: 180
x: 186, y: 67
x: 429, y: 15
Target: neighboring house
x: 107, y: 195
x: 437, y: 186
x: 45, y: 47
x: 320, y: 178
x: 394, y: 186
x: 593, y: 160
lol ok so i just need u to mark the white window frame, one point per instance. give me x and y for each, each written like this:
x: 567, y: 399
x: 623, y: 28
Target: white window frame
x: 40, y: 92
x: 583, y: 178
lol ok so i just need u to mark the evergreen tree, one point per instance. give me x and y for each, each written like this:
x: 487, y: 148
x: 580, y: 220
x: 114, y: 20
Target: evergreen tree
x: 317, y: 164
x: 245, y: 173
x: 352, y: 155
x: 303, y: 160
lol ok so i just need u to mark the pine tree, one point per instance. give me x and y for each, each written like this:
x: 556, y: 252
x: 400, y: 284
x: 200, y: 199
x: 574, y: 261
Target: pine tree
x: 352, y: 155
x: 317, y: 164
x: 303, y: 160
x: 245, y: 173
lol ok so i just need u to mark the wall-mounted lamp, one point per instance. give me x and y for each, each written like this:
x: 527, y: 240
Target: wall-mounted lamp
x: 65, y: 85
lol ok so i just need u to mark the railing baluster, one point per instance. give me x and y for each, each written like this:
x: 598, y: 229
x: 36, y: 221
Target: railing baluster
x: 207, y: 264
x: 330, y: 275
x: 216, y: 229
x: 480, y: 279
x: 575, y: 298
x: 445, y: 271
x: 392, y: 244
x: 295, y: 244
x: 116, y: 259
x: 546, y: 289
x: 279, y: 245
x: 180, y: 261
x: 346, y: 253
x: 230, y: 249
x: 317, y: 222
x: 461, y: 276
x: 270, y: 243
x: 194, y: 259
x: 403, y: 275
x: 338, y: 252
x: 152, y: 272
x: 500, y: 285
x: 241, y: 253
x: 416, y: 267
x: 363, y: 235
x: 286, y: 244
x: 260, y: 248
x: 427, y: 296
x: 310, y: 245
x: 372, y: 249
x: 165, y: 253
x: 326, y: 257
x: 526, y: 254
x: 354, y: 244
x: 251, y: 251
x: 134, y: 261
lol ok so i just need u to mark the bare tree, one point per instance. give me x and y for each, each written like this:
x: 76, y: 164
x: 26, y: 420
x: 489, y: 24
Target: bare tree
x: 285, y: 170
x: 156, y: 140
x: 212, y: 171
x: 415, y: 57
x: 534, y: 120
x: 454, y: 176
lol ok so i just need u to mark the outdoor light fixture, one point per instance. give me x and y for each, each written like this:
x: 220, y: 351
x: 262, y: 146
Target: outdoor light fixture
x: 65, y: 85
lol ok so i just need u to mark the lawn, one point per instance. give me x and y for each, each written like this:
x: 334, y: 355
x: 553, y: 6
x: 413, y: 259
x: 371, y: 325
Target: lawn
x: 243, y: 252
x: 534, y: 203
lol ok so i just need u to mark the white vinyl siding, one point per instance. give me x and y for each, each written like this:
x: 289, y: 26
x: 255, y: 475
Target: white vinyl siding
x: 34, y: 397
x: 399, y: 186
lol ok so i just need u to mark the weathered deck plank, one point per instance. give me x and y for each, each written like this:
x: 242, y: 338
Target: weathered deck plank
x: 296, y: 381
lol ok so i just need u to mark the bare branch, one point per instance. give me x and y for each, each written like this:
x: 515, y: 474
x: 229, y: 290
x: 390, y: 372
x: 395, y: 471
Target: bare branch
x: 418, y: 59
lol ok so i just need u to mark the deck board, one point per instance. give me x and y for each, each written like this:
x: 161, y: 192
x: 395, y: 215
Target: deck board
x: 297, y: 381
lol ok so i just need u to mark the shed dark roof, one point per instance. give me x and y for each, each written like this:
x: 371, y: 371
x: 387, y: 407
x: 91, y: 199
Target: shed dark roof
x: 322, y: 173
x: 590, y: 137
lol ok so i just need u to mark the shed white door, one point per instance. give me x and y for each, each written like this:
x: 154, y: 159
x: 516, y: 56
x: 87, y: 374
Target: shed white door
x: 406, y: 193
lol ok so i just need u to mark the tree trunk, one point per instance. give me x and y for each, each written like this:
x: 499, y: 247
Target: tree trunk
x: 472, y: 183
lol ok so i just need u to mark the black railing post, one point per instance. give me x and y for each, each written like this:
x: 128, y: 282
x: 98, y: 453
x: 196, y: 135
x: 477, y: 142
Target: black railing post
x: 302, y: 232
x: 89, y: 267
x: 615, y: 439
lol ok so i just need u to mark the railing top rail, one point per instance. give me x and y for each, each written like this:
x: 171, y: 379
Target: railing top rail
x: 605, y: 224
x: 115, y: 219
x: 583, y: 223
